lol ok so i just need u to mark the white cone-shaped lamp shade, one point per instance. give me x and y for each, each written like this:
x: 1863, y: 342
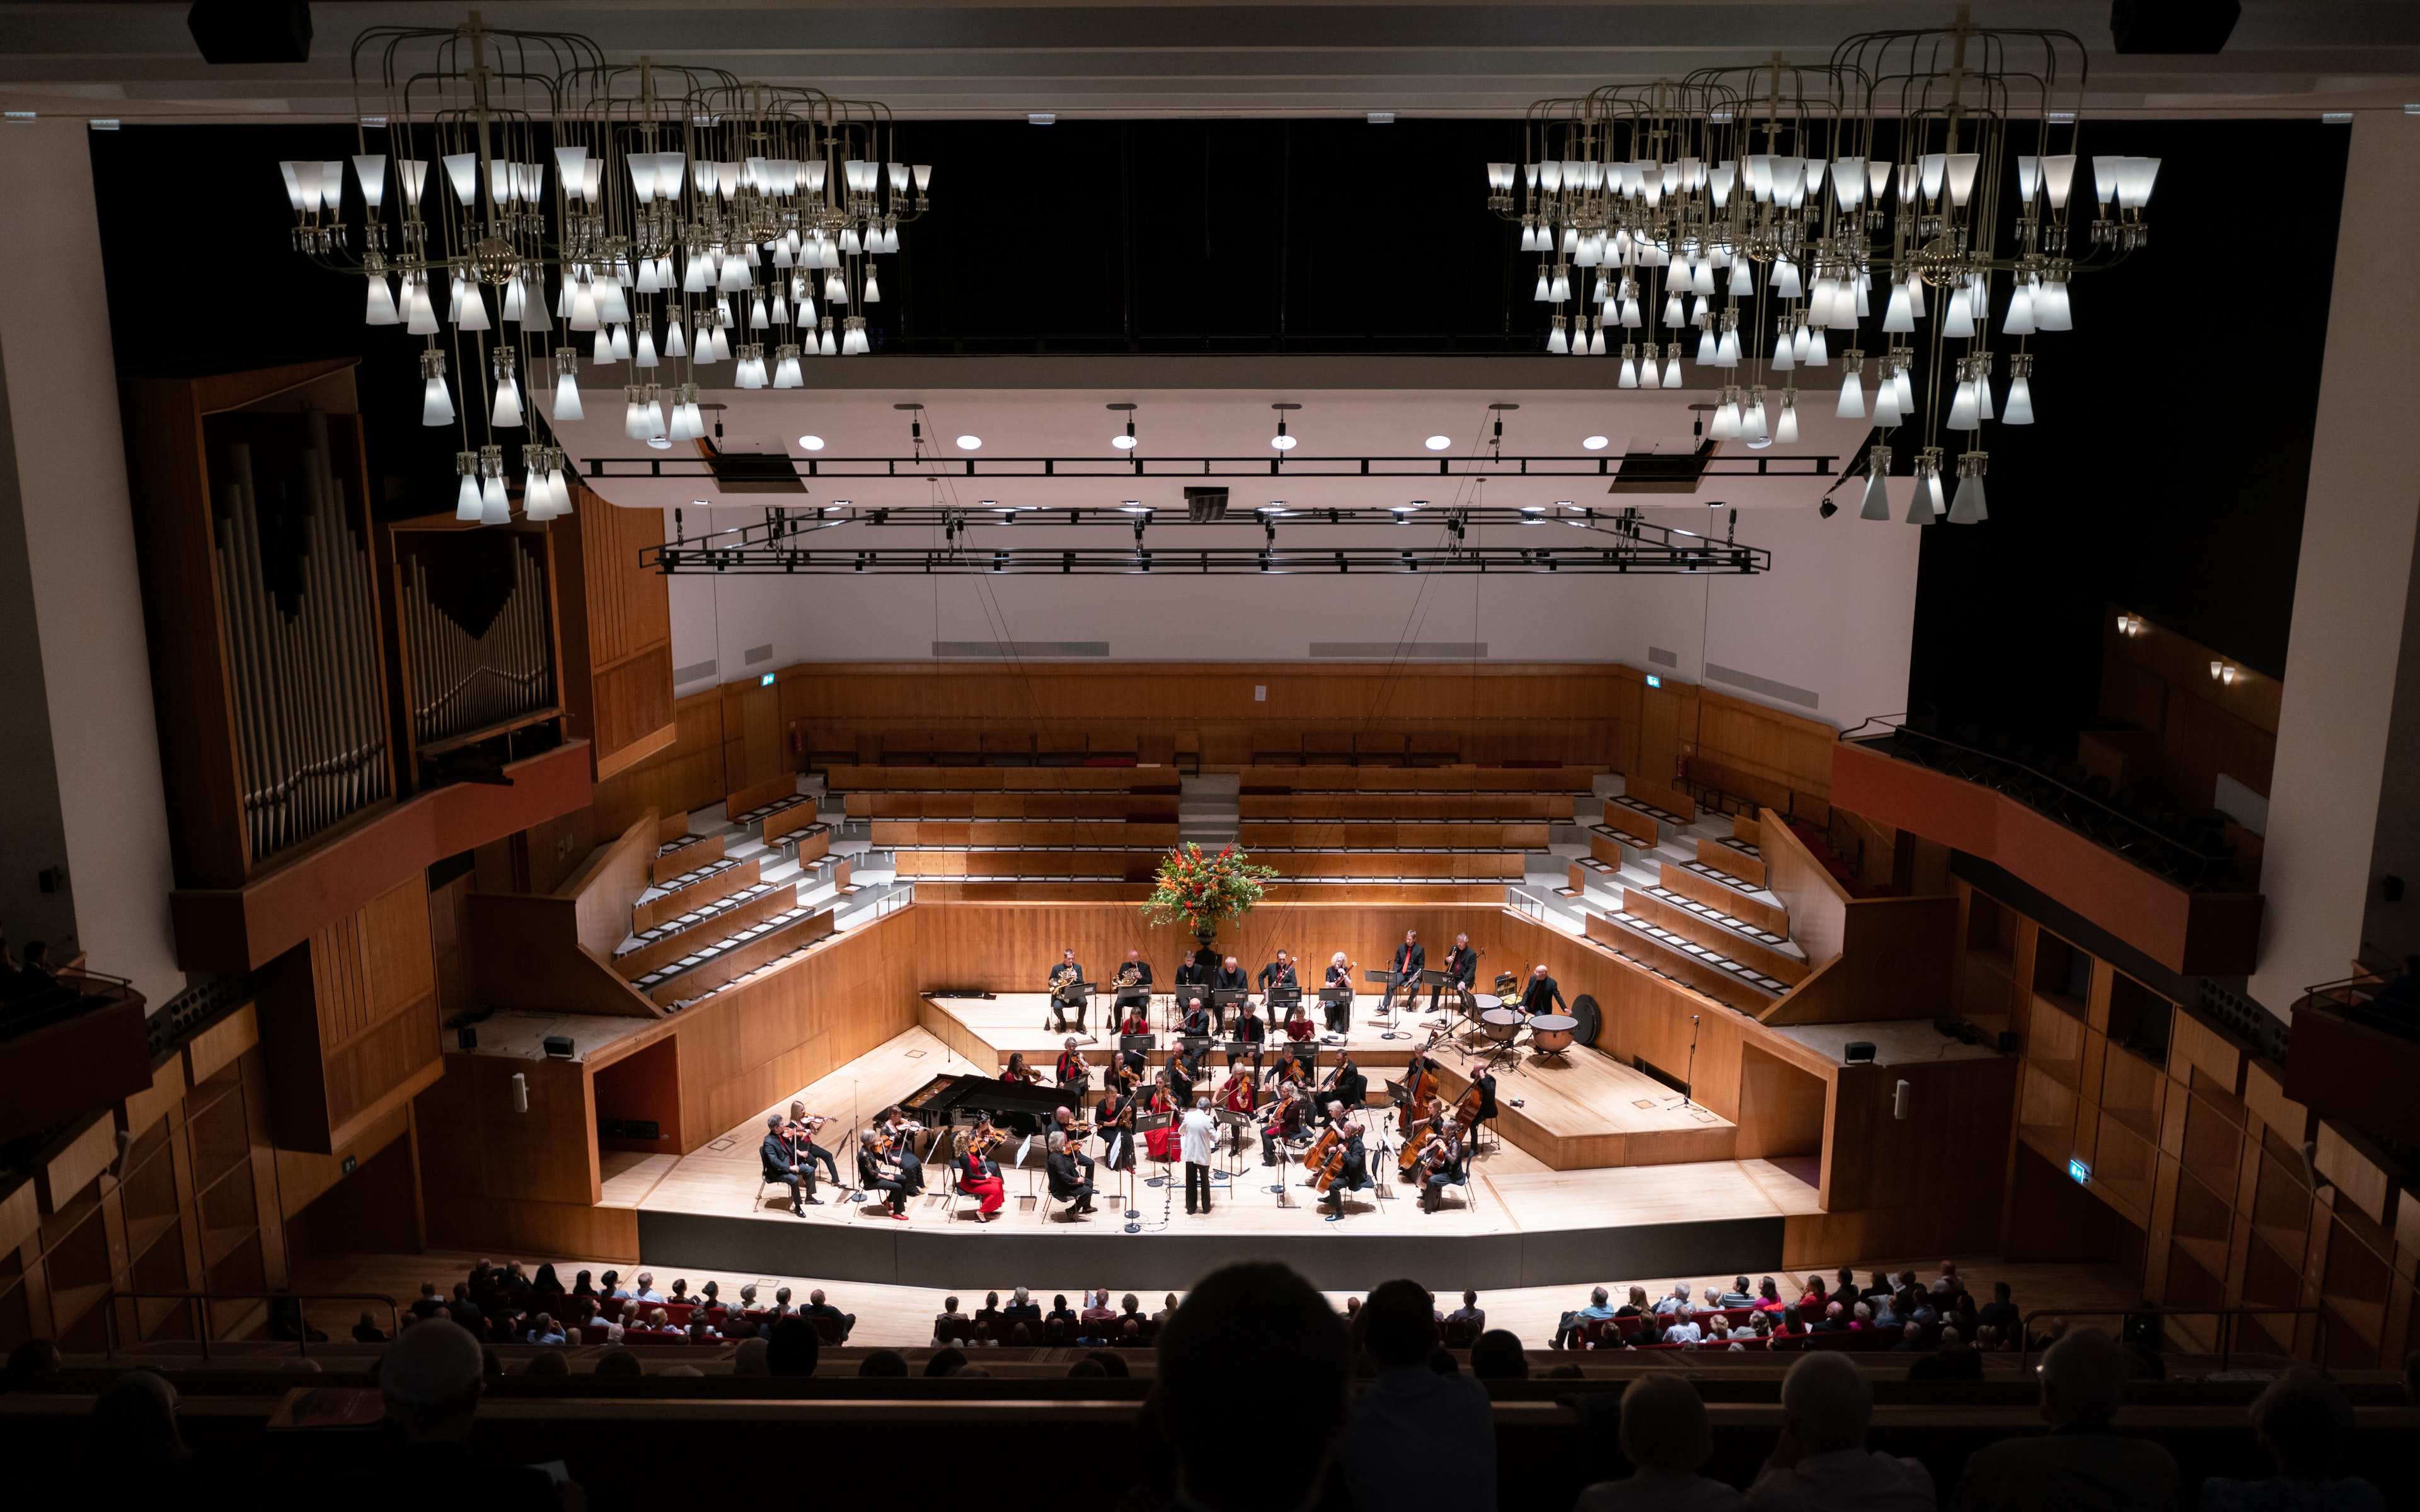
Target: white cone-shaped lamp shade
x: 567, y: 399
x: 1671, y: 369
x: 436, y: 405
x: 507, y: 413
x: 466, y: 501
x: 1963, y: 411
x: 1852, y: 398
x: 1957, y: 316
x: 1904, y: 387
x: 2020, y: 318
x: 1966, y: 506
x: 2020, y: 411
x: 621, y: 342
x: 495, y: 506
x: 1898, y: 315
x: 1819, y: 352
x: 381, y: 309
x: 1886, y: 412
x: 471, y: 314
x: 675, y: 344
x: 602, y: 352
x: 1785, y: 429
x: 643, y: 349
x: 1629, y: 379
x: 1877, y: 500
x: 831, y: 345
x: 420, y: 315
x: 786, y: 373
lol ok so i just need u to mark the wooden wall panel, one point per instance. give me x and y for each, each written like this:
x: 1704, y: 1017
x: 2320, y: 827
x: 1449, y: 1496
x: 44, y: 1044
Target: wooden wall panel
x: 615, y: 619
x: 609, y: 883
x: 525, y: 952
x: 686, y: 774
x: 348, y: 1019
x: 474, y: 1146
x: 1764, y: 742
x: 2160, y: 683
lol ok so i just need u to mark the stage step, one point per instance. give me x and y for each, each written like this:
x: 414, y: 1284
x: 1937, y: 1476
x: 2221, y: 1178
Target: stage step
x: 1208, y: 813
x: 642, y: 944
x: 1727, y: 923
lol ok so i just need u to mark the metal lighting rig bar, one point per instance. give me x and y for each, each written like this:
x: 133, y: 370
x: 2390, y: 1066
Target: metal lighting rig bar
x: 1613, y: 542
x: 1610, y: 466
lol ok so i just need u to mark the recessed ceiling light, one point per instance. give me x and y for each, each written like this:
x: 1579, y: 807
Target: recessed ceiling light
x: 968, y: 443
x: 1381, y: 118
x: 1593, y: 444
x: 1039, y: 118
x: 811, y: 443
x: 1439, y: 443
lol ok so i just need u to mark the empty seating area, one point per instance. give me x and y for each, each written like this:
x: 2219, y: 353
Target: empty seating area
x: 825, y: 747
x: 1329, y: 821
x: 1064, y: 823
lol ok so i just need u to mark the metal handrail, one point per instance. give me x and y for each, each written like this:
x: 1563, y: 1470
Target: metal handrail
x: 2338, y: 997
x: 2227, y: 1320
x: 74, y: 993
x: 201, y: 1317
x: 2201, y: 862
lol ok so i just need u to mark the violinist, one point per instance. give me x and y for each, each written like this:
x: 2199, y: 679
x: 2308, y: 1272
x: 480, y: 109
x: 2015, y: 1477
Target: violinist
x: 1440, y: 1163
x: 1069, y: 1179
x: 1160, y: 1144
x: 1249, y: 1030
x: 1339, y: 980
x: 1074, y: 1073
x: 1019, y: 1072
x: 1461, y: 970
x: 800, y: 1131
x: 1115, y: 1117
x: 1356, y: 1170
x: 1239, y: 1093
x: 978, y: 1174
x: 1283, y: 1124
x: 871, y: 1178
x: 1129, y: 1069
x: 898, y: 1140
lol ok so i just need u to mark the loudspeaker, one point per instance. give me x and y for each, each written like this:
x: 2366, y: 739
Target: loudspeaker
x: 2172, y: 26
x: 559, y: 1046
x: 1858, y: 1053
x: 251, y: 31
x: 466, y: 1037
x: 2008, y: 1042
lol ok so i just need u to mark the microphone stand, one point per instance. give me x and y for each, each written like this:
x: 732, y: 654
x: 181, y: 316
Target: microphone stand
x: 1689, y: 1083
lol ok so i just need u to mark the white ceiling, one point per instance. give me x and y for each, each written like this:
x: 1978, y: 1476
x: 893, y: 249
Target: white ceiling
x: 1131, y: 58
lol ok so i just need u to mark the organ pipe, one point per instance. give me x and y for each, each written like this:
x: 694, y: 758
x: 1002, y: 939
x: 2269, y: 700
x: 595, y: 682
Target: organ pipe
x: 463, y: 682
x: 310, y: 739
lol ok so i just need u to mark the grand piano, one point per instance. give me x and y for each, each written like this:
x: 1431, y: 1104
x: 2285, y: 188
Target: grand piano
x: 948, y: 1099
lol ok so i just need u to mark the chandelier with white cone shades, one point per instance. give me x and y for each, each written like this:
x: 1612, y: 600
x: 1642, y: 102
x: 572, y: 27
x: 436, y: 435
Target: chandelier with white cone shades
x: 539, y: 208
x: 1834, y: 218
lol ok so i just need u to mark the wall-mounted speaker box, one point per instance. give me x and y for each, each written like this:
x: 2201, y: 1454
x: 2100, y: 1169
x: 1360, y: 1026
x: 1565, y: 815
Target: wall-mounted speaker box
x: 466, y: 1037
x: 559, y: 1046
x: 1858, y: 1053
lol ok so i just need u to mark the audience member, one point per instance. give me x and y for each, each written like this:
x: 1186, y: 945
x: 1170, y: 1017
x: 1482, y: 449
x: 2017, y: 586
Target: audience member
x: 1636, y: 1306
x: 618, y: 1362
x: 549, y: 1364
x: 1999, y: 1311
x: 1768, y: 1297
x: 1022, y: 1308
x: 1470, y: 1315
x: 1112, y: 1364
x: 1738, y: 1296
x: 1665, y: 1435
x: 843, y: 1323
x: 1061, y: 1314
x: 1684, y: 1328
x: 1086, y: 1368
x: 28, y: 1361
x: 1238, y: 1330
x: 951, y: 1326
x: 1416, y: 1438
x: 1568, y: 1331
x: 1910, y: 1340
x: 792, y: 1348
x: 752, y: 1358
x: 1821, y: 1460
x: 430, y: 1380
x: 883, y: 1362
x: 131, y: 1444
x: 2304, y: 1425
x: 1496, y: 1355
x: 2079, y: 1464
x: 1953, y: 1361
x: 943, y: 1363
x: 365, y: 1331
x: 1676, y: 1301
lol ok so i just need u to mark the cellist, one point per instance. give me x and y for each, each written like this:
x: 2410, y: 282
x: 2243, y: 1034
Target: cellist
x: 1355, y: 1169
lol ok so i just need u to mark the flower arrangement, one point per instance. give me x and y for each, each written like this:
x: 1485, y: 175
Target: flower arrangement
x: 1200, y: 889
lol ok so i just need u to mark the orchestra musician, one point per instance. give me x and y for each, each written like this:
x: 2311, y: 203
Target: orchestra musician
x: 1128, y: 1069
x: 1115, y: 1117
x: 1198, y: 1024
x: 1229, y: 978
x: 1018, y: 1071
x: 1410, y: 959
x: 800, y: 1131
x: 1440, y: 1163
x: 1239, y: 1093
x: 1067, y: 990
x: 1461, y: 969
x: 1541, y: 994
x: 1420, y: 1089
x: 1137, y: 1021
x: 1185, y: 1072
x: 1074, y: 1073
x: 1356, y: 1172
x: 898, y: 1142
x: 1285, y: 1122
x: 1340, y: 974
x: 1134, y: 983
x: 1277, y: 973
x: 1067, y: 1179
x: 870, y: 1175
x: 1295, y: 1062
x: 1344, y: 1085
x: 782, y: 1165
x: 978, y: 1174
x: 1192, y: 972
x: 1249, y: 1030
x: 1298, y: 1024
x: 1483, y: 1082
x: 1160, y: 1144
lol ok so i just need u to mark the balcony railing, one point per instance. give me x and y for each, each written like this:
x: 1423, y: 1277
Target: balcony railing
x: 75, y: 994
x: 2368, y: 1001
x: 2184, y: 850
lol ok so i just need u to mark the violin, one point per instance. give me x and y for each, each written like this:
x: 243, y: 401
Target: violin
x: 1240, y: 1092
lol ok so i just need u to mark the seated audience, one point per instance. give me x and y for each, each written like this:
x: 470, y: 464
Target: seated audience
x: 951, y: 1326
x: 1676, y: 1301
x: 1241, y: 1328
x: 1416, y: 1438
x: 1684, y: 1327
x: 1496, y: 1355
x: 1768, y: 1297
x: 1666, y: 1436
x: 1469, y: 1314
x: 2304, y: 1425
x: 367, y: 1331
x: 1999, y: 1311
x: 618, y: 1362
x: 549, y: 1364
x: 1738, y: 1296
x: 1568, y: 1331
x: 752, y: 1358
x: 27, y: 1363
x: 1953, y: 1361
x: 131, y: 1444
x: 883, y: 1364
x: 430, y: 1380
x: 817, y: 1307
x: 1635, y: 1306
x: 1022, y: 1308
x: 1821, y: 1460
x: 2080, y: 1463
x: 944, y: 1363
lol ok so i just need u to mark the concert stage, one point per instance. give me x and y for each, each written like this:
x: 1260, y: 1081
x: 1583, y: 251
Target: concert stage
x: 1520, y: 1223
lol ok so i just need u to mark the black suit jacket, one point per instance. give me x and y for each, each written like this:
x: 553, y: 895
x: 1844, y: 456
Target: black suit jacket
x: 1142, y: 969
x: 1351, y: 1089
x: 1461, y: 965
x: 1542, y: 996
x: 1409, y: 960
x: 1065, y: 1179
x: 1275, y: 974
x: 775, y: 1152
x: 1224, y: 979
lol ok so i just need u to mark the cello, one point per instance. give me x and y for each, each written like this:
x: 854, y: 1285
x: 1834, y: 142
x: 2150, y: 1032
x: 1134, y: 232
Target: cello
x: 1419, y: 1087
x: 1324, y: 1159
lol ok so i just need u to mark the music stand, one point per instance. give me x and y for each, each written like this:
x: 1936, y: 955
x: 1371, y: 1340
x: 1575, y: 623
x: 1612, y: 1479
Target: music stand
x: 1082, y: 1010
x: 1340, y: 997
x: 1241, y: 1049
x: 1144, y: 1043
x: 1223, y: 998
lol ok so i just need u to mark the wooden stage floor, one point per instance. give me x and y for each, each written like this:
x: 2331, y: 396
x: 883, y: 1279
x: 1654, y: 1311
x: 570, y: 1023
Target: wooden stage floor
x: 1580, y: 1109
x: 1521, y: 1221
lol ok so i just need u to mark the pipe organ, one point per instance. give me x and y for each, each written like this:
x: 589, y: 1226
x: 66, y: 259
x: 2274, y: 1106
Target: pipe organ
x: 480, y: 647
x: 300, y: 629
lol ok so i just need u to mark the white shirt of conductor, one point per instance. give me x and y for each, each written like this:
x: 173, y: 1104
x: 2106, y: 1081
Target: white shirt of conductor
x: 1199, y: 1133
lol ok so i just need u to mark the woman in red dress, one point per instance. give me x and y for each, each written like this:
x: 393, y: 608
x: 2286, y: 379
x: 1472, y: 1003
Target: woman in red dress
x: 979, y: 1175
x: 1298, y: 1024
x: 1160, y: 1144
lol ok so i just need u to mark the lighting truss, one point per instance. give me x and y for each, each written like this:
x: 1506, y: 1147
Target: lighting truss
x: 1616, y: 542
x: 1177, y: 467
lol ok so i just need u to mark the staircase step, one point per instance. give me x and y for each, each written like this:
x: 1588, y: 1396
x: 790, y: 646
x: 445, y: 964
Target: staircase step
x: 1686, y: 960
x: 1723, y: 891
x: 1780, y: 962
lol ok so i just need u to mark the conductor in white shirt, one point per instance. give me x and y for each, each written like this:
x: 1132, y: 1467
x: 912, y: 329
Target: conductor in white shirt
x: 1197, y: 1133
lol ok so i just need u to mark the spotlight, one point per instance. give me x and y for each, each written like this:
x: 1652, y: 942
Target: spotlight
x: 1439, y: 443
x: 1593, y: 444
x: 811, y: 443
x: 1127, y: 441
x: 968, y: 443
x: 1828, y: 509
